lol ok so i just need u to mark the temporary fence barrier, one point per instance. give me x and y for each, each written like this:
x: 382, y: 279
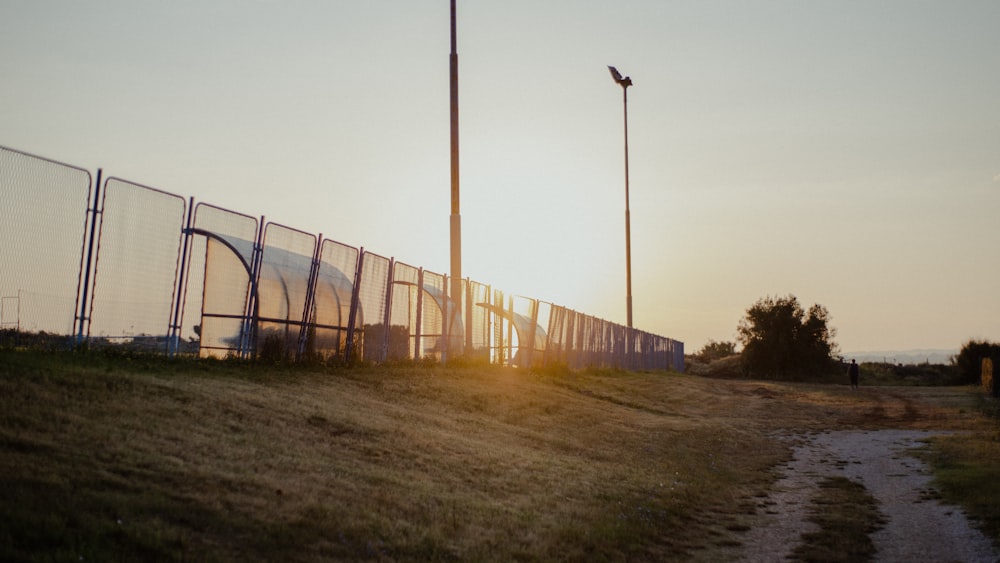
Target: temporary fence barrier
x: 135, y: 265
x: 122, y: 264
x: 43, y: 238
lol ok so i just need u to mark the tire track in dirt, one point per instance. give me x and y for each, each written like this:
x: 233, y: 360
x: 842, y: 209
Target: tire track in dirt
x: 892, y: 407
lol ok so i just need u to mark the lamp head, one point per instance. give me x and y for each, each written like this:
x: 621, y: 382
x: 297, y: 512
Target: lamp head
x: 623, y: 82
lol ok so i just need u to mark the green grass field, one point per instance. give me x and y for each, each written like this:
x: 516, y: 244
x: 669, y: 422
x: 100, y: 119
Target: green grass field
x: 108, y: 458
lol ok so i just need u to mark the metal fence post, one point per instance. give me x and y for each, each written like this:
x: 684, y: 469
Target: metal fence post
x: 310, y: 300
x: 499, y: 349
x: 180, y: 294
x: 355, y: 303
x: 510, y: 331
x: 248, y: 331
x: 446, y: 321
x: 386, y: 316
x: 547, y: 354
x: 467, y: 311
x: 532, y: 332
x: 88, y: 263
x: 420, y: 315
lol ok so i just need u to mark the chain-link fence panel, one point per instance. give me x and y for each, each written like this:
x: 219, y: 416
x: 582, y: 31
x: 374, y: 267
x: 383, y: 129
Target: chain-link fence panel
x: 575, y: 355
x: 478, y: 320
x: 498, y: 345
x: 612, y: 350
x: 667, y: 354
x: 600, y: 343
x: 334, y: 293
x: 43, y: 205
x: 556, y: 345
x: 372, y: 307
x: 564, y: 331
x: 543, y: 312
x: 405, y: 311
x: 455, y: 324
x: 286, y: 268
x: 219, y: 282
x: 661, y: 359
x: 654, y: 358
x: 641, y: 351
x: 583, y: 325
x: 136, y: 266
x: 523, y: 315
x: 620, y: 344
x: 662, y: 353
x: 595, y: 342
x: 579, y: 357
x: 432, y: 318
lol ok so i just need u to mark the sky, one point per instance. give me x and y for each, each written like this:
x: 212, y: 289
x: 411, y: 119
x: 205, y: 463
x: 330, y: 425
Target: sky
x: 846, y: 152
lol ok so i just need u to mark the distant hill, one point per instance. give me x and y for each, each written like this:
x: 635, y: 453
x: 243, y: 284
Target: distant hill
x: 935, y: 356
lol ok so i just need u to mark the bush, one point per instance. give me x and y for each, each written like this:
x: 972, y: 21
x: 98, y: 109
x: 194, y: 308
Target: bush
x: 716, y: 351
x: 879, y: 373
x: 969, y: 360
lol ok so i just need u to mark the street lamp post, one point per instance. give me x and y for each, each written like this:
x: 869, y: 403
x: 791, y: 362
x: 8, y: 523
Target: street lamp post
x: 625, y: 83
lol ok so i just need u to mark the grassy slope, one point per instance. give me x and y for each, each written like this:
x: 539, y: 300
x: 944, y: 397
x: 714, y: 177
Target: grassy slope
x: 141, y: 459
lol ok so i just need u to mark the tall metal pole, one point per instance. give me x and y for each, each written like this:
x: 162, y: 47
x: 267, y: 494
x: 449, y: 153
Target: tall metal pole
x: 625, y: 83
x: 456, y: 218
x: 628, y: 232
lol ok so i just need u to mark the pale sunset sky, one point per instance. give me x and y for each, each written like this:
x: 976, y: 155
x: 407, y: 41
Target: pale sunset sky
x: 846, y: 152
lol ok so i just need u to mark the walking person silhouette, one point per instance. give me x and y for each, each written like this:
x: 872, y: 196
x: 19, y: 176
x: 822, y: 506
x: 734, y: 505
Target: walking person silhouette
x: 852, y: 372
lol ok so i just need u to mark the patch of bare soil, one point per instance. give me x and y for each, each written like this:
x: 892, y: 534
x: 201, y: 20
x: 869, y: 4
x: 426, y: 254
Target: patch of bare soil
x: 917, y: 528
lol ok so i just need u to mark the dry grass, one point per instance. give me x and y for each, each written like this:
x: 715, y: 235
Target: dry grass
x: 124, y: 458
x: 846, y: 515
x: 967, y: 470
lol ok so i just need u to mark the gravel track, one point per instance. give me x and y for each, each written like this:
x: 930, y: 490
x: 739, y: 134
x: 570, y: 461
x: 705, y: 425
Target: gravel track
x: 918, y: 528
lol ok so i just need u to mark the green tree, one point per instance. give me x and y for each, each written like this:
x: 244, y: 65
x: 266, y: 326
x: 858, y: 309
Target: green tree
x: 780, y: 339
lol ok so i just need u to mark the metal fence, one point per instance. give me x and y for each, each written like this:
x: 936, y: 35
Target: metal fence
x: 122, y: 264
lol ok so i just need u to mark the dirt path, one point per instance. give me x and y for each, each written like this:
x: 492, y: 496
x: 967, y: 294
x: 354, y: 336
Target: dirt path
x: 917, y: 527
